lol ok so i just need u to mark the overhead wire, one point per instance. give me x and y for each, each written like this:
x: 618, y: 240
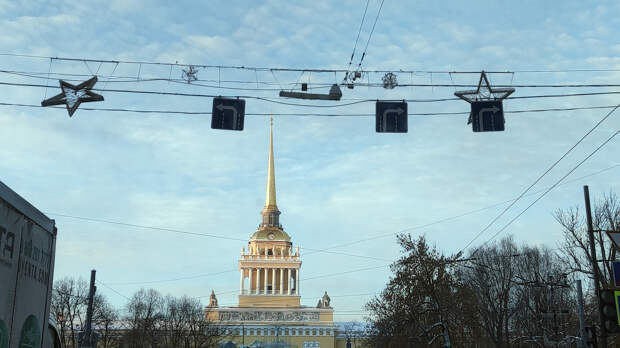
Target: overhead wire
x: 164, y: 229
x: 357, y: 39
x: 316, y: 85
x: 355, y: 101
x: 359, y: 66
x: 311, y: 251
x: 378, y: 267
x: 298, y: 114
x: 540, y: 178
x: 173, y: 279
x: 295, y: 69
x: 382, y: 235
x: 112, y: 289
x: 547, y: 191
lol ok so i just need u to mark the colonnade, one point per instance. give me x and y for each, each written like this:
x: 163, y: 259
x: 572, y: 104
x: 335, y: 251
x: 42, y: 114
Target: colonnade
x: 260, y: 282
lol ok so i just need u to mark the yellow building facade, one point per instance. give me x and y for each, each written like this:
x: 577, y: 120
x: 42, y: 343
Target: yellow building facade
x: 269, y: 312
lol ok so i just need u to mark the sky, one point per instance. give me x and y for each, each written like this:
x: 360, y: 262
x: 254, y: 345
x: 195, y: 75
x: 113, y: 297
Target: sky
x: 340, y: 185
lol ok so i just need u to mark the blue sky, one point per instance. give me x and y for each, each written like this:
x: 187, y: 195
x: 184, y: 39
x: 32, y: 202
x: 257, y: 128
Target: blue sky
x: 337, y: 180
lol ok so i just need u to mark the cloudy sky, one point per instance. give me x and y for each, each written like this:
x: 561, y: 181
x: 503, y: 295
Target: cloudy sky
x: 340, y: 185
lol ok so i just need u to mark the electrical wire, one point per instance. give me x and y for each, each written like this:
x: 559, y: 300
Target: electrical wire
x: 174, y: 279
x: 179, y: 112
x: 455, y: 216
x: 318, y: 85
x: 367, y: 269
x: 359, y: 66
x: 112, y: 289
x: 357, y: 38
x: 187, y: 232
x: 318, y: 70
x: 547, y: 191
x: 539, y: 178
x: 209, y: 235
x: 311, y: 251
x: 357, y: 101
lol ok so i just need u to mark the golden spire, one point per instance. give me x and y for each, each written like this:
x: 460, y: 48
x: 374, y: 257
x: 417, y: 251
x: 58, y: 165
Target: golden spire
x: 270, y: 200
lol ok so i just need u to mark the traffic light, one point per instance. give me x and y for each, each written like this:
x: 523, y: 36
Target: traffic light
x: 590, y: 339
x: 609, y: 311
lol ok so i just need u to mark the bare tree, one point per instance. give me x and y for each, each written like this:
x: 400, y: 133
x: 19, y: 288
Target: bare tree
x: 546, y: 311
x: 575, y: 248
x: 68, y: 306
x: 202, y: 332
x: 144, y: 317
x: 490, y: 278
x: 105, y: 318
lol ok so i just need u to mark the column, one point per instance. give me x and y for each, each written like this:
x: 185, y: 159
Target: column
x: 273, y: 281
x: 265, y: 281
x: 251, y: 278
x: 281, y: 281
x: 241, y: 282
x: 288, y: 280
x: 297, y: 280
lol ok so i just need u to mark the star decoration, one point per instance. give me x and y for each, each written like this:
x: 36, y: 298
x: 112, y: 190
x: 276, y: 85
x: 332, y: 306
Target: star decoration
x: 73, y: 96
x: 484, y: 92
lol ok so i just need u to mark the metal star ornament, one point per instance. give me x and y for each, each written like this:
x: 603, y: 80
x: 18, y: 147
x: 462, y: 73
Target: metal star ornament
x: 484, y: 92
x: 73, y: 96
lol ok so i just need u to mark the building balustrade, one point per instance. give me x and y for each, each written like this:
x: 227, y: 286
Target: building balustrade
x: 269, y: 257
x: 267, y: 292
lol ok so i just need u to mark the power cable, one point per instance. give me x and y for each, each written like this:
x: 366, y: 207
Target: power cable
x: 189, y: 233
x: 112, y: 289
x: 547, y: 191
x: 179, y: 112
x: 318, y: 85
x: 147, y: 227
x: 243, y: 67
x: 174, y: 279
x: 539, y: 178
x: 356, y: 39
x: 359, y: 66
x: 357, y: 101
x: 311, y: 251
x: 369, y: 268
x: 455, y: 216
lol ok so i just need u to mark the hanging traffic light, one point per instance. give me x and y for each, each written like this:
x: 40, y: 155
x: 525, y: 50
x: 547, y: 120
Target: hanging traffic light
x: 609, y: 310
x: 228, y: 113
x: 391, y: 117
x: 487, y: 116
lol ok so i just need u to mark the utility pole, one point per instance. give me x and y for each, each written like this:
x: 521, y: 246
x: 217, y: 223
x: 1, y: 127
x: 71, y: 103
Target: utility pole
x: 582, y: 324
x: 595, y: 270
x: 88, y: 339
